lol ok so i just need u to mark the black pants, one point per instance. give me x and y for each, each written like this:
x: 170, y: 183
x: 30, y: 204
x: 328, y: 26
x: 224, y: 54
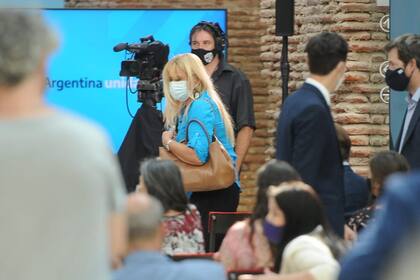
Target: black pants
x: 225, y: 200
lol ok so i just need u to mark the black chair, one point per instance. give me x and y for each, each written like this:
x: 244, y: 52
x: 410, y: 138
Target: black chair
x: 180, y: 257
x: 233, y: 274
x: 220, y: 222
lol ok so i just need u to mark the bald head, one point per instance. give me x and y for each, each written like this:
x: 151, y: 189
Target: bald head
x: 144, y: 216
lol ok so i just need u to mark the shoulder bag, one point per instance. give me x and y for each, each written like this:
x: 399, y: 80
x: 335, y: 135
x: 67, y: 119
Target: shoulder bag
x: 217, y: 173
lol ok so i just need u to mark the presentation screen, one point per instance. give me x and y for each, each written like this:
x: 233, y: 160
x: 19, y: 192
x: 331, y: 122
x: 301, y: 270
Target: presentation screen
x: 83, y: 75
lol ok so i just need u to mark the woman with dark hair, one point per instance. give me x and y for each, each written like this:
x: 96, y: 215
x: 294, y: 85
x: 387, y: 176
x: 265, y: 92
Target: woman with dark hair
x: 162, y: 180
x: 245, y: 245
x: 305, y: 247
x: 382, y: 165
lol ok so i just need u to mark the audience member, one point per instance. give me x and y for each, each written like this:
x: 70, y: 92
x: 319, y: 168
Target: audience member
x: 62, y: 196
x: 162, y: 180
x: 190, y: 95
x: 306, y: 137
x: 306, y: 248
x: 356, y: 188
x: 208, y: 42
x: 246, y: 246
x: 145, y: 260
x: 389, y: 247
x: 381, y: 166
x: 404, y: 75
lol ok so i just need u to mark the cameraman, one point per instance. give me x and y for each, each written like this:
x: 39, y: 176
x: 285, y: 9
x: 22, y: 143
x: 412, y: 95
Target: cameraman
x: 208, y: 41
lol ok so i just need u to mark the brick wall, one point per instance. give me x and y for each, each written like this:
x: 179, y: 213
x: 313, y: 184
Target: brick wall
x: 356, y: 105
x: 255, y: 50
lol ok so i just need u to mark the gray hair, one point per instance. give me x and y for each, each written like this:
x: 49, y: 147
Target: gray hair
x: 145, y: 219
x: 25, y: 39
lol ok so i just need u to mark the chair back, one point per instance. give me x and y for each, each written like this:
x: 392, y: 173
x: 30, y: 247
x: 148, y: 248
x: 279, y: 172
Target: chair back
x: 180, y: 257
x: 234, y: 274
x: 220, y: 222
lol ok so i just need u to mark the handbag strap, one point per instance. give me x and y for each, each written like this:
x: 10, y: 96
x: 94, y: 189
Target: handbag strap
x: 202, y: 127
x: 201, y: 124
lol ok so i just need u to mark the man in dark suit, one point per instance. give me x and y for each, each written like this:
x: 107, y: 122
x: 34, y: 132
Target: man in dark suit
x: 306, y: 136
x: 403, y: 74
x: 356, y: 188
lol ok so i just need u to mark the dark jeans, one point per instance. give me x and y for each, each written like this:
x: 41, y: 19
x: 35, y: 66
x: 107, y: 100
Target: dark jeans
x: 225, y: 200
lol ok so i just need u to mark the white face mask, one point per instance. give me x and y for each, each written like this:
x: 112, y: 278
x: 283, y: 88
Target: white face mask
x: 179, y: 90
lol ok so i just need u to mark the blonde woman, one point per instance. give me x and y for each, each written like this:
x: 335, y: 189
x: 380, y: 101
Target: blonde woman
x: 190, y: 95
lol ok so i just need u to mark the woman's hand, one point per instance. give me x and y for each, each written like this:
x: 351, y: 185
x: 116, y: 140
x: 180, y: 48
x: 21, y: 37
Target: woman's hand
x: 181, y: 151
x: 166, y: 136
x: 350, y: 234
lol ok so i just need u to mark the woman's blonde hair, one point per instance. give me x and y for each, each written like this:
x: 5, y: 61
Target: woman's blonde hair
x: 190, y: 68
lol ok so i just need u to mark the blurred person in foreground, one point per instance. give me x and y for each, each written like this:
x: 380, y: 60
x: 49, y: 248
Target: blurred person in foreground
x: 389, y: 247
x: 145, y: 260
x: 62, y: 197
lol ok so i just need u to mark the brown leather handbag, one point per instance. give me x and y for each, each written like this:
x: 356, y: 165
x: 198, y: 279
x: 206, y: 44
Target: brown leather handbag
x: 216, y: 174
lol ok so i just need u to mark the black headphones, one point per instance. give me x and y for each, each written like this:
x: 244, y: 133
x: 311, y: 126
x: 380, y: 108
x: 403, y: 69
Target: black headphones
x: 219, y: 36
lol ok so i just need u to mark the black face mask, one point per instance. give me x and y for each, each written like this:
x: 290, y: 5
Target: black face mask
x: 205, y: 56
x: 396, y: 79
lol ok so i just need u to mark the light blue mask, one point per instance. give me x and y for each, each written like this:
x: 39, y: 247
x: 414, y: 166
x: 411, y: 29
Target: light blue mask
x: 179, y: 90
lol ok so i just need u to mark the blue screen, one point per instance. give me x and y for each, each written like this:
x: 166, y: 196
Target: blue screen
x: 83, y: 73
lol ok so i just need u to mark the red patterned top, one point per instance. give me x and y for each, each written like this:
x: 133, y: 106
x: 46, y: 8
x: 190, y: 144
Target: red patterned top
x: 184, y: 233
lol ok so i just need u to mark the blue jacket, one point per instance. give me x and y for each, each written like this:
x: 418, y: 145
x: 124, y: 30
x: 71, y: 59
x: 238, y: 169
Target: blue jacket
x: 152, y: 265
x: 205, y: 110
x: 398, y: 220
x: 307, y: 139
x: 356, y: 191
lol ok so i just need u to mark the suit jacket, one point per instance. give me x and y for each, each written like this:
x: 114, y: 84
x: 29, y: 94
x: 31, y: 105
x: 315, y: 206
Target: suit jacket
x: 152, y: 265
x: 411, y: 145
x: 356, y: 191
x: 306, y: 138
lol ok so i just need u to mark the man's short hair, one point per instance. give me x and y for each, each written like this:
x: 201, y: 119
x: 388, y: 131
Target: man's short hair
x: 325, y: 51
x: 25, y: 40
x: 344, y: 142
x: 142, y: 224
x: 408, y: 47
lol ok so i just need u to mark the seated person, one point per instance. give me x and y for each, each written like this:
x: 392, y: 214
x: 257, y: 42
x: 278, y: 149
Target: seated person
x: 145, y: 260
x: 162, y: 180
x: 307, y: 248
x: 381, y: 166
x: 356, y: 188
x: 246, y: 245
